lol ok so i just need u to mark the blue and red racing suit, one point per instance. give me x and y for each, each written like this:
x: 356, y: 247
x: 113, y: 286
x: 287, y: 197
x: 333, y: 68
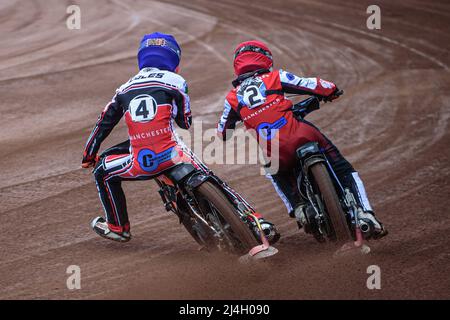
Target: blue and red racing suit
x: 258, y: 100
x: 149, y: 102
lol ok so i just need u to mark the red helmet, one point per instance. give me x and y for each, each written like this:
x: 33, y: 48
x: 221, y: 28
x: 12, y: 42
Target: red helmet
x: 251, y: 56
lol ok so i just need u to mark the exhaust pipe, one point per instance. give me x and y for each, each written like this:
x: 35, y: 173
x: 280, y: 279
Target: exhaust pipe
x: 364, y: 226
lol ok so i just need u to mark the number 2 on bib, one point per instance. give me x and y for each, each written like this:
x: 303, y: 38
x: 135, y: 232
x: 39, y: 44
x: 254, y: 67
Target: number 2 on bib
x: 143, y: 108
x: 253, y: 97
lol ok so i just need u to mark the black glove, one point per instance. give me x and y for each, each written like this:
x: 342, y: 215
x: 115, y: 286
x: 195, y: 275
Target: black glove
x: 336, y: 94
x: 89, y: 160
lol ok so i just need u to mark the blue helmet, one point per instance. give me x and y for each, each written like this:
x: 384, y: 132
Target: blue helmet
x: 160, y: 51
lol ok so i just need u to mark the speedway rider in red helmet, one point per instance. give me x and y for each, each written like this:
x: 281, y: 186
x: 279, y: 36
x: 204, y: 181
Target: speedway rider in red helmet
x: 150, y: 102
x: 258, y: 99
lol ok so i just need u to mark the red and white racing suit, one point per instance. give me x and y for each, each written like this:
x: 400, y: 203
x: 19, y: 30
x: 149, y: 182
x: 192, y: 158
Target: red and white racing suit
x: 149, y: 102
x: 259, y: 101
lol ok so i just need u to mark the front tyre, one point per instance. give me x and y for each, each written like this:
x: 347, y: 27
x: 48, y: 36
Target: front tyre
x: 331, y: 201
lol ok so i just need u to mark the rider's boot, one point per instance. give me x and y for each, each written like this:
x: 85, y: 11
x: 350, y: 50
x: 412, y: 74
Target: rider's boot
x: 303, y: 213
x: 300, y: 215
x: 108, y: 231
x: 371, y: 227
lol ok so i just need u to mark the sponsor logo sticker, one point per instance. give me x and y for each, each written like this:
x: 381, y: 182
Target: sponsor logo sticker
x: 150, y: 160
x: 268, y: 130
x: 326, y: 84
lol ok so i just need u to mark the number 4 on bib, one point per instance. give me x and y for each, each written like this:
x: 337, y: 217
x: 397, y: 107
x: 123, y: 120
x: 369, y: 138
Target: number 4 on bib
x: 143, y: 108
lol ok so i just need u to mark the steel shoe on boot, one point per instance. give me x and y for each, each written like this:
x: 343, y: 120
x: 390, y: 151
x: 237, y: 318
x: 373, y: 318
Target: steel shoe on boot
x: 100, y: 226
x: 370, y: 226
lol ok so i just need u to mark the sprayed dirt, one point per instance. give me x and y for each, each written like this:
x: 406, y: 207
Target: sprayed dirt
x: 392, y: 123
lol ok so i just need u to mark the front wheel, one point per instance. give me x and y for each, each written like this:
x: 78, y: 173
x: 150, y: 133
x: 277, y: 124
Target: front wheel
x: 232, y: 234
x: 336, y: 215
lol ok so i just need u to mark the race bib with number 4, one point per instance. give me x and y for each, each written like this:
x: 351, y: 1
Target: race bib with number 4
x: 143, y: 108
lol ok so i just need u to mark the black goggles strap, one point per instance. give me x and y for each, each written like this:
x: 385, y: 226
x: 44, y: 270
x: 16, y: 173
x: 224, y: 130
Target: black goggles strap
x: 244, y: 76
x: 253, y: 49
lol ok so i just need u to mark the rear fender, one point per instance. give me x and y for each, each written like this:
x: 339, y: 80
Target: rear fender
x: 310, y: 154
x: 307, y: 150
x: 312, y: 160
x: 180, y: 172
x: 199, y: 178
x: 195, y: 180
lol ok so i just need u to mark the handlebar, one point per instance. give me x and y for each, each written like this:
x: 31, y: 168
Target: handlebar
x: 304, y: 107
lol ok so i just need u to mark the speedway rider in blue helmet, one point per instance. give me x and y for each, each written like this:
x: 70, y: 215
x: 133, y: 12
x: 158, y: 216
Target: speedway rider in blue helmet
x: 149, y: 102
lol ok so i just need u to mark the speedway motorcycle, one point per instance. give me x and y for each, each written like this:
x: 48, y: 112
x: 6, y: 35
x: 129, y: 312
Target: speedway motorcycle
x: 332, y: 213
x: 215, y: 215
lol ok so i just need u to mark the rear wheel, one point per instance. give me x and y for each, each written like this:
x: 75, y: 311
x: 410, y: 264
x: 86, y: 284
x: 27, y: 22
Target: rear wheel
x: 235, y: 235
x: 331, y: 201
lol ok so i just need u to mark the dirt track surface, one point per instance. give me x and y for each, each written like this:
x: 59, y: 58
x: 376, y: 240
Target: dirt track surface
x: 392, y: 123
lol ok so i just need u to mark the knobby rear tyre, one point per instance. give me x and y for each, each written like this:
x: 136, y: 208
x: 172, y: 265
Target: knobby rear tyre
x: 240, y: 230
x: 332, y: 203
